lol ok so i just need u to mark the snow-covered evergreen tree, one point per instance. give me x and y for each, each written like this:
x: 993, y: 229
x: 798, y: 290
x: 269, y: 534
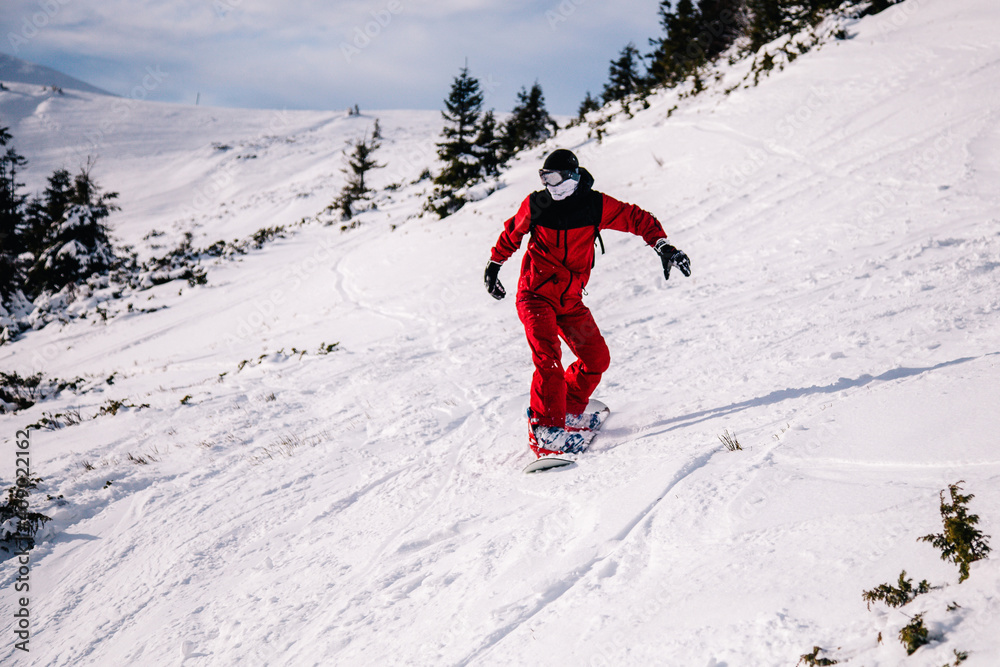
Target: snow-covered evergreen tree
x: 11, y: 212
x: 75, y: 243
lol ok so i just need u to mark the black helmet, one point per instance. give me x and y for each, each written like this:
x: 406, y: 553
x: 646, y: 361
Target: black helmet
x: 561, y: 160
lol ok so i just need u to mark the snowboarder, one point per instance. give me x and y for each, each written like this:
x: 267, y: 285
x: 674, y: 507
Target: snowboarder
x: 564, y: 221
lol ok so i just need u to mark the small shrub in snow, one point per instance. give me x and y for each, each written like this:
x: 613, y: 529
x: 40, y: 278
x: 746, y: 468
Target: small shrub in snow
x: 54, y: 422
x: 266, y: 235
x: 814, y: 659
x: 897, y: 596
x: 19, y: 393
x: 730, y: 442
x: 113, y: 406
x: 960, y: 542
x: 18, y: 524
x: 141, y: 460
x: 914, y: 634
x: 960, y: 657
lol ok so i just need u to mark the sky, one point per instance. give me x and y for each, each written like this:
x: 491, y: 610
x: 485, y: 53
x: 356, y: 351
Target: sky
x: 307, y: 54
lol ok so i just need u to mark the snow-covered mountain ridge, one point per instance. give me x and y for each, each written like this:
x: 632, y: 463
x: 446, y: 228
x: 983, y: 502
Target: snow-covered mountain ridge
x: 365, y: 506
x: 21, y: 71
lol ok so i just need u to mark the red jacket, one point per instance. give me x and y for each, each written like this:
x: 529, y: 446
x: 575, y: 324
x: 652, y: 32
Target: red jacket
x: 560, y: 250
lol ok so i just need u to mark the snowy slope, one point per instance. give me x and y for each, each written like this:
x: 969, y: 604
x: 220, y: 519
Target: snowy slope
x: 366, y: 506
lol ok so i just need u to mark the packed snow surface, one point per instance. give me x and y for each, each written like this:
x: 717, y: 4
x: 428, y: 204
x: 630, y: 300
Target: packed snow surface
x: 366, y: 506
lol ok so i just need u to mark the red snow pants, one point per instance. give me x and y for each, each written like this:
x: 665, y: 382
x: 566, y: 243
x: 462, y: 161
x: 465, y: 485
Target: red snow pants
x: 555, y: 391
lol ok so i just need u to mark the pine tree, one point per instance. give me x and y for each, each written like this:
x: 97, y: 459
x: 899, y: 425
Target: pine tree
x: 11, y: 211
x: 768, y: 19
x: 45, y: 211
x: 529, y: 124
x: 75, y: 243
x: 880, y: 5
x: 461, y: 115
x: 488, y: 146
x: 720, y: 24
x: 588, y: 104
x: 678, y: 53
x: 360, y: 160
x: 458, y: 151
x: 623, y: 76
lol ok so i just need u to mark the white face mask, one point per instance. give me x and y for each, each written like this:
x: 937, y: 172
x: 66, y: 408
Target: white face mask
x: 563, y: 190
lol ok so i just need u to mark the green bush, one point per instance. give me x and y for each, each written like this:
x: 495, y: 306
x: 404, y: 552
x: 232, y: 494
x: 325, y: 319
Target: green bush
x: 960, y: 542
x: 914, y: 634
x: 814, y: 660
x: 896, y: 597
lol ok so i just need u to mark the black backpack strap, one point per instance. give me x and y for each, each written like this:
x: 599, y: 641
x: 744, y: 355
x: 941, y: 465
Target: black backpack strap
x: 596, y: 212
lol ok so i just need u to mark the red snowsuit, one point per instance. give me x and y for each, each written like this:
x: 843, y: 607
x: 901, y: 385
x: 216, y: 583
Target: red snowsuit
x: 554, y: 272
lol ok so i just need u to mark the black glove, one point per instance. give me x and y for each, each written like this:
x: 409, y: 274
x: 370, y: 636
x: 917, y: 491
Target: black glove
x: 493, y: 285
x: 671, y: 256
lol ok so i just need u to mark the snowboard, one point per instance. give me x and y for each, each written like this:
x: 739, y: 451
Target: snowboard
x: 598, y: 412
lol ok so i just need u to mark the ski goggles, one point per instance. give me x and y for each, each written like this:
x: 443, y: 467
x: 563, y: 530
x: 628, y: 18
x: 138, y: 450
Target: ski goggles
x: 553, y: 177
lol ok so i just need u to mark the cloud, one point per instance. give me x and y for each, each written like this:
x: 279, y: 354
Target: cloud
x: 312, y: 54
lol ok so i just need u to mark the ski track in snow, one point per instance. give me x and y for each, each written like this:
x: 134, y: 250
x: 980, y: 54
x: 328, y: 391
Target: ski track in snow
x: 366, y: 506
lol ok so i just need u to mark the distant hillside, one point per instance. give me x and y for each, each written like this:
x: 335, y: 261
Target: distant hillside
x: 21, y: 71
